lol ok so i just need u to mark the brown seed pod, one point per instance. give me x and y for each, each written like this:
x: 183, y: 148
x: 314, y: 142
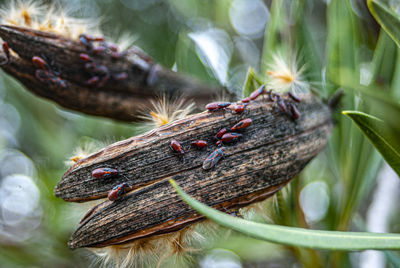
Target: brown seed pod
x: 114, y: 100
x: 274, y: 151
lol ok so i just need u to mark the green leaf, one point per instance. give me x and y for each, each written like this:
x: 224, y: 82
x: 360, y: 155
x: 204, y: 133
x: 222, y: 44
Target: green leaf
x: 387, y: 18
x: 251, y: 82
x: 385, y: 139
x: 248, y: 86
x: 271, y: 36
x: 332, y: 240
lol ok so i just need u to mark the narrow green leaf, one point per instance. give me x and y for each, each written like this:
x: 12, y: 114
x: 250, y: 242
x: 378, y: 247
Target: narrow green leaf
x: 248, y: 82
x: 387, y: 18
x: 382, y: 137
x: 271, y: 36
x: 251, y: 82
x: 293, y: 236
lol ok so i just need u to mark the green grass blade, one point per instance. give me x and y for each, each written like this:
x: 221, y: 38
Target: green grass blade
x: 382, y: 137
x: 387, y: 18
x: 331, y: 240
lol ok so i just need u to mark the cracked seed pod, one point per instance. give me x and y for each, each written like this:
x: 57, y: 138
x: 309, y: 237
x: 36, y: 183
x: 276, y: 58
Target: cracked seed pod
x: 273, y: 150
x: 133, y: 80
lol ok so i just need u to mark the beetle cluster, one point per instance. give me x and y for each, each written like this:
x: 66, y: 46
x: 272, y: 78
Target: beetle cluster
x: 99, y: 73
x: 223, y: 136
x: 218, y: 106
x: 47, y: 73
x: 277, y: 98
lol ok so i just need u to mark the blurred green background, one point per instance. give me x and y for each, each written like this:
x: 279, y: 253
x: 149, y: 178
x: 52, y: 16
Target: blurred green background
x: 347, y: 187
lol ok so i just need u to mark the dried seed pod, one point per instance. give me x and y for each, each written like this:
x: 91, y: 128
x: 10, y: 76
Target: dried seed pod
x: 114, y: 100
x: 275, y: 149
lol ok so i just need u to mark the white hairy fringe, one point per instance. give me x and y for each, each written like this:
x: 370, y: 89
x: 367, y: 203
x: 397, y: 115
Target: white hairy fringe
x: 164, y: 111
x: 285, y: 74
x: 177, y: 248
x: 84, y: 150
x: 50, y: 18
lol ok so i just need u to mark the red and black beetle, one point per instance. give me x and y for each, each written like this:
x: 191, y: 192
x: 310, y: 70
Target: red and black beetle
x: 220, y: 133
x: 293, y: 111
x: 199, y: 144
x: 102, y: 173
x: 215, y: 106
x: 245, y: 123
x: 254, y: 95
x: 176, y: 147
x: 239, y: 108
x: 213, y: 158
x: 118, y: 191
x: 231, y: 137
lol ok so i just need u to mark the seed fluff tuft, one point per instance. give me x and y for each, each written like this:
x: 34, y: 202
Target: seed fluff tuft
x: 49, y: 18
x: 177, y: 247
x: 164, y: 111
x: 85, y: 149
x: 285, y: 75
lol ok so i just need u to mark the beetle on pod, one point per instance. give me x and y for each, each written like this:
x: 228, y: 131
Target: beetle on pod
x: 176, y: 147
x: 102, y: 173
x: 199, y: 144
x: 256, y: 93
x: 231, y: 137
x: 118, y: 191
x: 214, y: 158
x: 216, y: 106
x: 242, y: 124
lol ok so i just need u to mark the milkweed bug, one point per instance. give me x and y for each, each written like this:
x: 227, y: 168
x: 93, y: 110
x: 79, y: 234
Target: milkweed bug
x: 220, y: 133
x: 6, y: 51
x: 102, y: 173
x: 246, y: 100
x: 40, y: 63
x: 293, y: 111
x: 87, y: 40
x: 50, y: 78
x: 254, y: 95
x: 199, y: 144
x: 120, y: 76
x: 239, y: 108
x: 294, y: 97
x: 117, y: 55
x: 245, y: 123
x: 176, y: 147
x: 85, y: 57
x: 213, y: 158
x: 271, y: 95
x: 93, y: 81
x: 99, y: 71
x: 99, y: 49
x: 92, y: 38
x: 231, y: 137
x: 214, y: 106
x: 281, y: 104
x: 112, y: 47
x: 118, y: 191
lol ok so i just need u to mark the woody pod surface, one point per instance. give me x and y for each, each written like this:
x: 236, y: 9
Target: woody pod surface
x: 273, y: 150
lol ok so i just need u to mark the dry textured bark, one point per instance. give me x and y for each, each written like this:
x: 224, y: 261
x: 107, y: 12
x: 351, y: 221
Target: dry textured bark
x: 274, y: 149
x: 120, y: 100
